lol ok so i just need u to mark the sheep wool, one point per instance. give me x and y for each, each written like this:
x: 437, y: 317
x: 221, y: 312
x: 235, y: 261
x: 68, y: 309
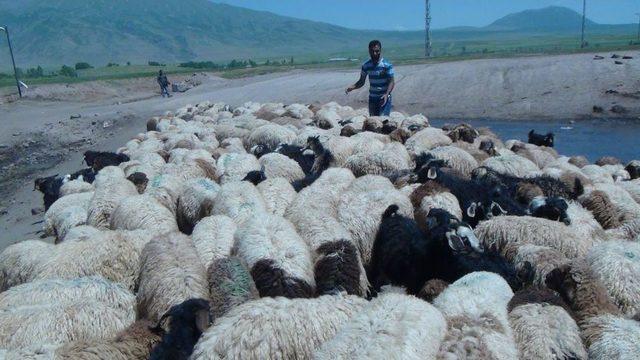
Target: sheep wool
x: 280, y: 261
x: 276, y: 165
x: 277, y: 328
x: 142, y: 212
x: 476, y: 310
x: 614, y: 338
x: 213, y: 238
x: 425, y: 140
x: 54, y: 219
x: 504, y: 230
x: 457, y: 159
x: 278, y: 194
x: 170, y: 273
x: 617, y: 265
x: 234, y: 167
x: 20, y: 263
x: 111, y: 188
x: 195, y: 202
x: 544, y: 331
x: 240, y: 201
x: 271, y: 135
x: 75, y: 187
x: 392, y: 326
x: 230, y: 285
x: 513, y: 165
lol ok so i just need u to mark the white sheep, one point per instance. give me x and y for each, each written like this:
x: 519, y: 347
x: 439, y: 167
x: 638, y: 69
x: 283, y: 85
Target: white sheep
x: 20, y: 263
x: 298, y: 111
x: 361, y: 206
x: 278, y: 194
x: 170, y: 273
x: 513, y: 165
x: 142, y: 212
x: 425, y: 140
x: 392, y: 326
x: 617, y: 265
x: 111, y: 188
x: 475, y: 307
x: 271, y: 135
x: 240, y: 201
x: 276, y: 165
x: 457, y: 158
x: 57, y: 219
x: 277, y: 328
x: 195, y: 202
x: 234, y: 166
x: 393, y: 158
x: 615, y: 338
x: 75, y: 187
x: 280, y: 261
x: 213, y: 238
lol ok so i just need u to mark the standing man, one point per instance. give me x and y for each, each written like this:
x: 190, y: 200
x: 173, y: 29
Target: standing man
x: 164, y: 84
x: 381, y: 81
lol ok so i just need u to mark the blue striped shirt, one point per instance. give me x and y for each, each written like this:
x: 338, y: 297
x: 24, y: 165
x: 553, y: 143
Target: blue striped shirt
x: 380, y: 75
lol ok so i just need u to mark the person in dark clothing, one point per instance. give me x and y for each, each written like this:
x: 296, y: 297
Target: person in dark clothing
x: 164, y: 84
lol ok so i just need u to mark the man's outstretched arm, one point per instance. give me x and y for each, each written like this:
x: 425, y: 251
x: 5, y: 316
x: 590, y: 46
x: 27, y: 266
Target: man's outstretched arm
x: 359, y: 84
x: 385, y: 97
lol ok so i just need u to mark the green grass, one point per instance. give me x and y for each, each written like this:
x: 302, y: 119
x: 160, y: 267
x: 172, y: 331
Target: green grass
x: 495, y: 46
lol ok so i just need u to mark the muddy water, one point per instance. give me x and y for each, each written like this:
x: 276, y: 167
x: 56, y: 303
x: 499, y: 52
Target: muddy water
x: 592, y: 139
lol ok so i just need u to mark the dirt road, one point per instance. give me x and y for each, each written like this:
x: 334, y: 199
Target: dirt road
x: 40, y: 137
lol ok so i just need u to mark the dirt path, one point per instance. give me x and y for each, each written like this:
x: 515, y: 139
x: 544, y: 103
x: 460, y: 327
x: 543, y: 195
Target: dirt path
x: 40, y: 138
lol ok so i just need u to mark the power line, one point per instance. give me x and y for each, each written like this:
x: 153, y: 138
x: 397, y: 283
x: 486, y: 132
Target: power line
x: 584, y: 21
x: 427, y: 29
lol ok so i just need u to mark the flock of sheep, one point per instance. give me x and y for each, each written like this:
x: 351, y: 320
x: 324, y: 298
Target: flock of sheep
x: 294, y: 232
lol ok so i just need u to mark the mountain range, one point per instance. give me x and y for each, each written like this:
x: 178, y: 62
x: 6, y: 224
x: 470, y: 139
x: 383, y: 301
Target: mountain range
x: 54, y: 32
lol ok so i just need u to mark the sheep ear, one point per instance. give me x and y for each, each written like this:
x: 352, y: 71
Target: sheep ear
x: 497, y: 210
x: 455, y: 242
x: 432, y: 173
x: 431, y: 223
x: 203, y: 320
x: 471, y: 210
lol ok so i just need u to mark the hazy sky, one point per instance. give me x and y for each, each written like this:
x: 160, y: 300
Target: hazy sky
x: 408, y: 14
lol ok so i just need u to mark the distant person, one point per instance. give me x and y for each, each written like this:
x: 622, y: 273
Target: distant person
x: 164, y: 84
x: 381, y: 81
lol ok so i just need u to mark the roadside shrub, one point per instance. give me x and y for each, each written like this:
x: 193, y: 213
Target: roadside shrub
x: 68, y: 71
x: 83, y: 66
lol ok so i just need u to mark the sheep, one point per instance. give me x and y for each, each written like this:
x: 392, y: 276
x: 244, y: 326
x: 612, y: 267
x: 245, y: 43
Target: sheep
x: 239, y: 200
x: 99, y: 160
x: 277, y: 328
x: 278, y: 194
x: 280, y: 261
x: 538, y: 156
x: 457, y: 159
x: 538, y: 261
x: 614, y: 264
x: 475, y: 308
x: 629, y: 231
x: 632, y: 187
x: 298, y: 111
x: 188, y: 320
x: 633, y: 168
x: 142, y: 212
x: 165, y: 189
x: 432, y: 289
x: 75, y: 187
x: 327, y: 119
x: 608, y: 160
x: 19, y: 263
x: 542, y: 326
x: 111, y: 188
x: 554, y: 209
x: 195, y: 202
x: 213, y: 238
x: 613, y: 337
x: 603, y: 209
x: 271, y: 135
x: 503, y: 230
x: 191, y: 169
x: 425, y: 140
x: 431, y: 195
x: 579, y: 161
x: 361, y: 206
x: 60, y: 323
x: 170, y: 273
x: 276, y: 165
x: 419, y: 121
x: 234, y: 166
x: 393, y: 158
x: 391, y: 326
x: 584, y: 224
x: 140, y: 180
x: 230, y: 285
x: 229, y: 145
x: 297, y: 153
x: 541, y: 140
x: 338, y: 268
x: 134, y: 342
x: 597, y: 174
x: 55, y: 219
x: 463, y: 132
x: 513, y: 165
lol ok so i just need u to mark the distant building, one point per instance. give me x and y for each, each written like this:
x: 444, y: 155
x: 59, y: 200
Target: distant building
x: 341, y: 59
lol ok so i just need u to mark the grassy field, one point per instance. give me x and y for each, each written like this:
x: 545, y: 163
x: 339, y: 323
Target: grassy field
x: 451, y: 49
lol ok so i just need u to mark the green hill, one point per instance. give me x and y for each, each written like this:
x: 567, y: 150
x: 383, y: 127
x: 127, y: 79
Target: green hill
x: 549, y: 19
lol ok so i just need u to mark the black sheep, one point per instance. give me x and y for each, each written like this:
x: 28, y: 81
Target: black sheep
x: 634, y: 169
x: 541, y: 140
x: 550, y: 186
x: 553, y: 208
x: 99, y: 160
x: 50, y: 188
x: 255, y: 177
x: 400, y: 253
x: 387, y: 127
x: 323, y: 159
x: 187, y: 322
x: 337, y: 269
x: 297, y: 153
x: 260, y: 150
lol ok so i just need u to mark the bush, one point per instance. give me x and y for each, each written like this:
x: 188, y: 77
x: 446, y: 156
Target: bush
x: 201, y: 65
x: 128, y: 63
x: 68, y: 71
x: 112, y: 64
x: 155, y: 63
x: 35, y: 72
x: 5, y: 76
x: 83, y: 66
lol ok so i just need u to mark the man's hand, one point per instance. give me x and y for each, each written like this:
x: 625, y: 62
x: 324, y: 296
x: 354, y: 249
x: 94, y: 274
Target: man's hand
x: 384, y: 99
x: 349, y: 89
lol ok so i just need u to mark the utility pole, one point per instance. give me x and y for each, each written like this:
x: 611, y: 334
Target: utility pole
x: 638, y: 14
x: 427, y: 29
x: 584, y: 21
x: 15, y: 72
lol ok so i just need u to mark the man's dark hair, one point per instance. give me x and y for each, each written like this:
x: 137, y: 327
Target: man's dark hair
x: 373, y: 43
